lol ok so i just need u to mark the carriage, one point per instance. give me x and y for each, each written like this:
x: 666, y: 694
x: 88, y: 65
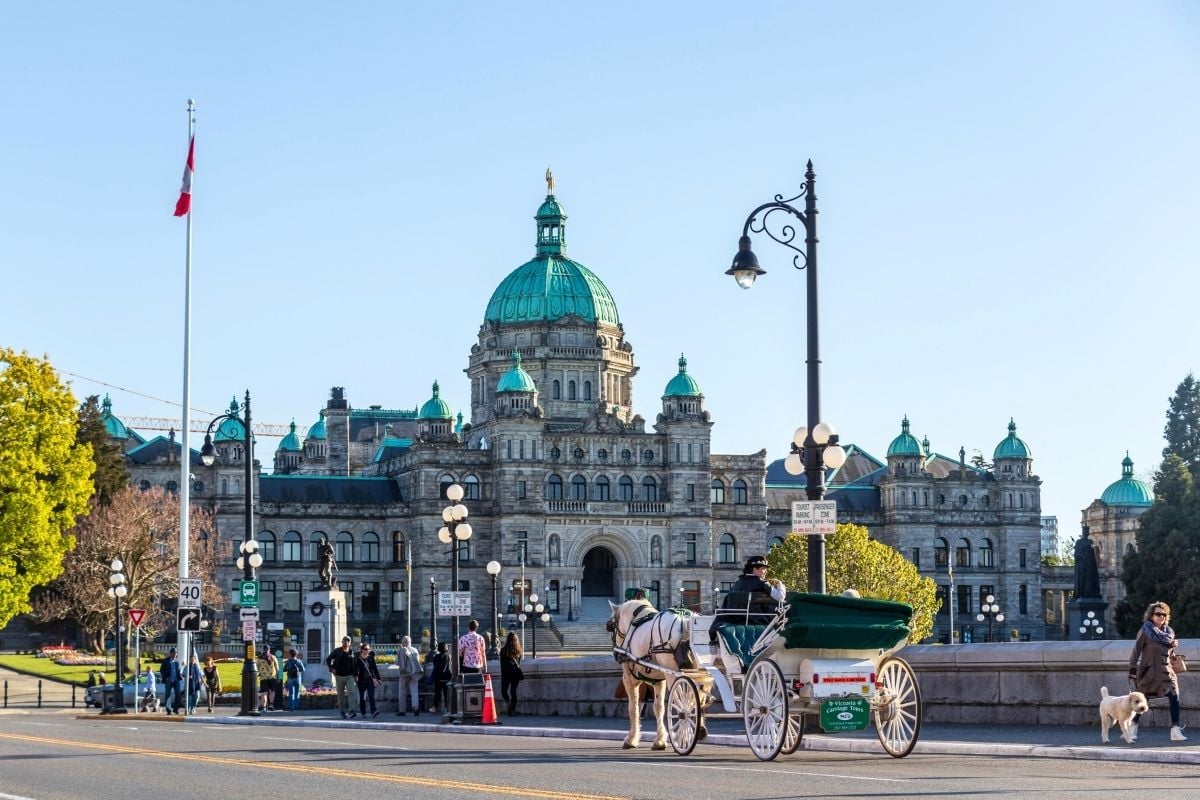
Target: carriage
x: 826, y: 656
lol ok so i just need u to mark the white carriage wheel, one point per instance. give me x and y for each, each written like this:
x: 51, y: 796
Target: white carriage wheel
x: 793, y: 735
x: 898, y: 724
x: 765, y: 709
x: 683, y: 715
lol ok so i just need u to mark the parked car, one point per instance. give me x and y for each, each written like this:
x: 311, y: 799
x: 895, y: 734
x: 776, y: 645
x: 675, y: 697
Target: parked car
x: 93, y: 696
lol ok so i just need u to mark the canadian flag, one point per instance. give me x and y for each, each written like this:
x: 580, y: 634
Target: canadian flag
x: 184, y: 206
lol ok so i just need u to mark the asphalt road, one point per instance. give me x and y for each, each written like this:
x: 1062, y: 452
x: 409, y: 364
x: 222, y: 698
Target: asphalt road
x: 53, y: 756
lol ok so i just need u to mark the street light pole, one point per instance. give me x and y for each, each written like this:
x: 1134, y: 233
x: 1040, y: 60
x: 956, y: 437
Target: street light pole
x: 117, y: 589
x: 815, y: 446
x: 432, y: 615
x: 456, y: 531
x: 493, y: 569
x: 534, y: 611
x: 250, y: 559
x: 990, y: 610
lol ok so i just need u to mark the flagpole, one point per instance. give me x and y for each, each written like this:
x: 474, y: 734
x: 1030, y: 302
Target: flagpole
x: 185, y: 453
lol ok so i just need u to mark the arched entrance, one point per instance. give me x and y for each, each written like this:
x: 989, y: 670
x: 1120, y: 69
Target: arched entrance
x: 599, y: 570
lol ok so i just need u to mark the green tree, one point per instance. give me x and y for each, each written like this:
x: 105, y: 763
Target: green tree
x: 1166, y: 564
x: 111, y: 475
x: 853, y: 560
x: 1182, y: 431
x: 45, y: 477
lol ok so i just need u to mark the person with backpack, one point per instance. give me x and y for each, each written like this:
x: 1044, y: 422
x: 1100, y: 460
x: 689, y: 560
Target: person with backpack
x: 408, y: 661
x: 293, y: 669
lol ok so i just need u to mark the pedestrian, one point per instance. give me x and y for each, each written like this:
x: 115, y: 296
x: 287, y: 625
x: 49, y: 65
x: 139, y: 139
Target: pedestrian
x: 472, y: 649
x: 293, y: 668
x: 366, y: 676
x: 171, y: 674
x: 510, y: 671
x: 267, y: 683
x: 408, y: 661
x: 212, y: 681
x: 148, y: 700
x: 91, y: 681
x: 194, y: 680
x: 441, y: 680
x: 341, y: 664
x: 1150, y: 666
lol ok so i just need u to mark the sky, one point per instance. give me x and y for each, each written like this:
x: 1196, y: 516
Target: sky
x: 1007, y: 197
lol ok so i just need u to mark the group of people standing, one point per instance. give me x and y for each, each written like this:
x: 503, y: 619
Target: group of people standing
x: 359, y: 668
x: 181, y: 685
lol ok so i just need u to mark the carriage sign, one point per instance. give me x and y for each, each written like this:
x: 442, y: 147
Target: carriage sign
x: 844, y: 714
x: 814, y: 518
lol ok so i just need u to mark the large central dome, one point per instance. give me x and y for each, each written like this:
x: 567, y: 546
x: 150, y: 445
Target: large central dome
x: 551, y: 286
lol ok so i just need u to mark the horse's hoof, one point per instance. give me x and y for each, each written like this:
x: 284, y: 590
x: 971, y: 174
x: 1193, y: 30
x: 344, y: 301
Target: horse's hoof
x: 628, y: 746
x: 659, y: 746
x: 701, y: 733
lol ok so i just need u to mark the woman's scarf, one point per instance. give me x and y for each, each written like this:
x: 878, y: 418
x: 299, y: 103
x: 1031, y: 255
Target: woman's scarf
x: 1163, y: 636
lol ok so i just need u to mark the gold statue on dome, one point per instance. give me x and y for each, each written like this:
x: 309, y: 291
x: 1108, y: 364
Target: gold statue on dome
x: 549, y: 181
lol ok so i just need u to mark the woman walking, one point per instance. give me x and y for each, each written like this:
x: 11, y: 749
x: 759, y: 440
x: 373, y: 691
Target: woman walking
x: 194, y: 680
x: 212, y: 681
x: 441, y: 680
x: 366, y: 677
x: 1150, y: 665
x: 510, y: 671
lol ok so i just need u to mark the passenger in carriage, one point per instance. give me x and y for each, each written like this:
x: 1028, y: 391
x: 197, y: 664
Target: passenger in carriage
x: 764, y: 597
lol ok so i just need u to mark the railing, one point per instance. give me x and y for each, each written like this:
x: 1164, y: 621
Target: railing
x: 37, y: 696
x: 607, y: 506
x: 647, y: 507
x: 575, y: 506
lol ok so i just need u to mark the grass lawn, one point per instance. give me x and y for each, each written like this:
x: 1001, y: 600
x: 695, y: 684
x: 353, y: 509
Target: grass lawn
x: 231, y: 674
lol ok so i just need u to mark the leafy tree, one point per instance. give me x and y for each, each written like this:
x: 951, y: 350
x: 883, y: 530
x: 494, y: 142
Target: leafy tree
x: 1166, y: 565
x: 853, y: 560
x: 1182, y: 431
x: 45, y: 477
x: 111, y: 475
x: 141, y: 529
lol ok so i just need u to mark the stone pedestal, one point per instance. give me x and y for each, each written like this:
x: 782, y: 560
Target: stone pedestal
x: 1077, y: 612
x: 324, y: 627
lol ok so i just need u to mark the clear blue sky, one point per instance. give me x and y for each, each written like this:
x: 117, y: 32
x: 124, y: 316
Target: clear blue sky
x: 1008, y: 198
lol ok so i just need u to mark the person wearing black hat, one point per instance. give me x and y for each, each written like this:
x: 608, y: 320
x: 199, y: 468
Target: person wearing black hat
x: 753, y: 581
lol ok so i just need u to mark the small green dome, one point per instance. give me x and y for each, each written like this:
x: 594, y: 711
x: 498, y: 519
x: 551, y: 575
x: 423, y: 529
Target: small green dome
x: 682, y: 385
x: 905, y: 444
x: 550, y: 208
x: 231, y: 430
x: 115, y: 428
x: 1128, y: 491
x: 516, y: 379
x: 317, y: 431
x: 1011, y: 446
x: 291, y: 442
x: 435, y: 407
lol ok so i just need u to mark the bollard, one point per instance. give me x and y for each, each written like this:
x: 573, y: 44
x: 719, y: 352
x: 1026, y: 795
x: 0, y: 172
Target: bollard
x: 6, y: 694
x: 39, y: 703
x: 73, y: 688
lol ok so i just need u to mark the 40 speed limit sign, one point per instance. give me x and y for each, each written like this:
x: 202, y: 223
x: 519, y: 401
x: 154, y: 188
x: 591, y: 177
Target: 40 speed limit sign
x: 189, y: 593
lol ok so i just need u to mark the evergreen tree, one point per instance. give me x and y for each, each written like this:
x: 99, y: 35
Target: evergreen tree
x: 45, y: 477
x: 1182, y: 431
x: 111, y: 475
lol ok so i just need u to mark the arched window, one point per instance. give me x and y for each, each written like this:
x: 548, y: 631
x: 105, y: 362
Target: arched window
x: 716, y: 493
x: 625, y: 488
x: 941, y: 553
x: 172, y: 487
x: 197, y: 487
x: 554, y: 488
x: 602, y: 454
x: 571, y: 390
x: 649, y: 489
x: 987, y: 555
x: 656, y: 550
x: 266, y: 546
x: 602, y: 488
x: 554, y: 549
x: 775, y: 541
x: 314, y: 542
x: 370, y: 547
x: 740, y: 495
x: 962, y: 553
x: 344, y: 547
x: 587, y: 390
x: 727, y: 549
x: 399, y: 556
x: 145, y: 485
x: 444, y: 483
x: 224, y: 485
x: 578, y: 488
x: 292, y: 546
x: 626, y: 455
x: 471, y: 488
x: 555, y: 391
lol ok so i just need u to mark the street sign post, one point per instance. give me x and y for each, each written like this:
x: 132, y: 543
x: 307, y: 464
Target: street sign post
x: 189, y: 593
x: 249, y: 630
x: 811, y: 518
x: 188, y: 619
x: 249, y: 615
x: 136, y: 615
x: 248, y: 594
x: 454, y: 604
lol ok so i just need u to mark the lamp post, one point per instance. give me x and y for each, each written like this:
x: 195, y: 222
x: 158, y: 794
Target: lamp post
x: 681, y: 591
x: 493, y: 569
x: 432, y: 615
x: 990, y: 610
x: 117, y: 588
x: 456, y: 531
x: 814, y: 446
x: 249, y: 559
x: 570, y: 602
x: 534, y: 611
x: 1091, y: 627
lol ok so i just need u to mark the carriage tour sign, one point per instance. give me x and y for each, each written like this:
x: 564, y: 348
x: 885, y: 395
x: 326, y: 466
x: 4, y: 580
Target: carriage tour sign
x: 844, y: 714
x: 814, y: 518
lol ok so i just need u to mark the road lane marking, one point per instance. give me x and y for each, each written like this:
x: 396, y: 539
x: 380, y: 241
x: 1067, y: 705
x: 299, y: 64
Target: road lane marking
x: 759, y: 771
x: 4, y: 796
x: 332, y: 772
x: 326, y: 741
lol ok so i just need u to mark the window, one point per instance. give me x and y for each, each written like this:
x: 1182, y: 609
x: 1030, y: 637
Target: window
x: 348, y: 588
x: 464, y: 585
x: 647, y: 455
x: 554, y: 549
x: 727, y: 549
x: 570, y: 390
x: 555, y: 391
x: 656, y: 550
x: 625, y: 488
x: 1022, y: 557
x: 962, y: 553
x: 691, y: 492
x: 464, y: 550
x: 941, y: 499
x: 655, y: 594
x: 399, y: 551
x: 775, y: 541
x: 399, y: 598
x: 964, y: 599
x: 292, y: 547
x: 984, y: 591
x: 716, y: 493
x: 962, y: 499
x: 314, y: 542
x: 916, y: 557
x: 740, y: 495
x: 370, y: 547
x: 578, y: 453
x: 370, y: 597
x: 444, y: 483
x: 471, y: 488
x: 1023, y: 599
x: 578, y: 488
x: 689, y: 548
x: 224, y: 485
x: 291, y: 595
x: 266, y: 597
x: 266, y: 546
x: 144, y: 485
x: 172, y: 487
x: 587, y: 390
x: 198, y: 487
x: 941, y: 554
x: 554, y: 488
x: 603, y: 490
x: 625, y: 456
x: 649, y: 489
x: 602, y: 454
x: 522, y: 547
x: 987, y: 555
x: 555, y: 454
x: 520, y: 490
x: 943, y: 595
x: 345, y: 547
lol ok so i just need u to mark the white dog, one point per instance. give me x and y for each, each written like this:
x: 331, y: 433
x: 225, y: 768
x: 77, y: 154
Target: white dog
x: 1121, y: 710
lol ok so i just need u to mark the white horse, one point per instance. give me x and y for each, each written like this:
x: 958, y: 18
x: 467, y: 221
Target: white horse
x: 653, y: 637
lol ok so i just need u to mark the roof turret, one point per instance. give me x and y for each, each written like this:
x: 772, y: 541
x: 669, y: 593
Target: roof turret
x: 317, y: 431
x: 682, y: 385
x: 905, y: 444
x: 115, y: 428
x: 1011, y: 446
x: 516, y: 379
x: 435, y: 407
x: 291, y: 442
x: 1128, y: 491
x: 231, y: 429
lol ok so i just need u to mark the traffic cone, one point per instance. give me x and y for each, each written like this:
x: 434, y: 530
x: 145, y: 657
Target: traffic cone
x: 489, y: 702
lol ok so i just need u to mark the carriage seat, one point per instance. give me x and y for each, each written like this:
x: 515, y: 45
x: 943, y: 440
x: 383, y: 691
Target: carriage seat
x: 738, y: 639
x: 833, y: 621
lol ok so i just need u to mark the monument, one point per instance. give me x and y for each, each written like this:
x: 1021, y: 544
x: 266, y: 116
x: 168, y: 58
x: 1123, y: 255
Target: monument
x: 1087, y: 593
x: 324, y: 617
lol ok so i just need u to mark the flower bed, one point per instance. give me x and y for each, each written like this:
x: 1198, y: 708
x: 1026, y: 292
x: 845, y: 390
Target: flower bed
x: 70, y: 657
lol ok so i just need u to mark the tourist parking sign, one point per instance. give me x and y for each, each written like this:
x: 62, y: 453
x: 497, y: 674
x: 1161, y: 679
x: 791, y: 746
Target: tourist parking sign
x: 249, y: 594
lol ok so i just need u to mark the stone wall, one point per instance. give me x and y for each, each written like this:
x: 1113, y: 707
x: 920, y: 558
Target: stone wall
x: 1053, y: 683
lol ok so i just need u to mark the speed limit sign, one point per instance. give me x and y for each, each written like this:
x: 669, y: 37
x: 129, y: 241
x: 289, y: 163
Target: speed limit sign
x: 189, y: 592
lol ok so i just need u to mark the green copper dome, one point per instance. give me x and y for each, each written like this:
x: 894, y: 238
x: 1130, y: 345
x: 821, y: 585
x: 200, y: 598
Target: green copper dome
x: 682, y: 385
x: 1011, y: 446
x: 1128, y: 491
x: 435, y: 407
x: 516, y: 379
x: 905, y: 444
x: 317, y: 431
x: 231, y: 430
x: 291, y: 442
x: 115, y: 428
x: 551, y: 286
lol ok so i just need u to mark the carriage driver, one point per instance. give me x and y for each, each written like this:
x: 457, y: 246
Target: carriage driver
x: 754, y: 581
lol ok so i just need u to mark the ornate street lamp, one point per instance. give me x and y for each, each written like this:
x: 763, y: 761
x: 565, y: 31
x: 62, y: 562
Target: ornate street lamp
x: 432, y: 615
x: 117, y: 588
x: 534, y: 611
x: 990, y: 610
x: 815, y: 446
x: 493, y: 569
x: 249, y: 559
x: 456, y: 531
x: 1091, y: 627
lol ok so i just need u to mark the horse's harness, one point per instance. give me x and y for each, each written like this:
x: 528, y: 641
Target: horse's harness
x: 660, y: 638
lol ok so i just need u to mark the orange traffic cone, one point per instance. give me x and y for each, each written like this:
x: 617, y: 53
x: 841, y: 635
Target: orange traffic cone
x: 489, y: 702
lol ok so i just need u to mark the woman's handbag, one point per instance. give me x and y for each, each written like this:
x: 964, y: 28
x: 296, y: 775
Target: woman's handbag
x: 1178, y: 662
